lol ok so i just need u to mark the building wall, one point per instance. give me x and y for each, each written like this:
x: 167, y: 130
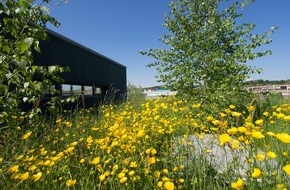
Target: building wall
x: 86, y: 66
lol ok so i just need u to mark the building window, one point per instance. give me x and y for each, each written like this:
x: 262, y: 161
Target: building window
x: 98, y: 90
x: 88, y: 90
x: 283, y: 87
x: 70, y: 89
x: 77, y: 89
x: 66, y: 90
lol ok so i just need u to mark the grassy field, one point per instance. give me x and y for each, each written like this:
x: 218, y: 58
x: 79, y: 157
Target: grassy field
x: 157, y: 144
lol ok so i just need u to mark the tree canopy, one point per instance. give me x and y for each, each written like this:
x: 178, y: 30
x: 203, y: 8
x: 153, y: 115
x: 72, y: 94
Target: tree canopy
x: 208, y: 49
x: 22, y: 26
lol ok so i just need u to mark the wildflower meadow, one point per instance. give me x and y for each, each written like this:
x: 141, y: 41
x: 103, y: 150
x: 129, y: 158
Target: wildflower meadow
x: 164, y: 143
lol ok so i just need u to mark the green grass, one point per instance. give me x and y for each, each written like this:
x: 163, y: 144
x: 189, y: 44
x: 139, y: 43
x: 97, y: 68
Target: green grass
x: 150, y: 146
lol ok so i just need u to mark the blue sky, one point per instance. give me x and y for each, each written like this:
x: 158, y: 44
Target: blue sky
x: 120, y: 29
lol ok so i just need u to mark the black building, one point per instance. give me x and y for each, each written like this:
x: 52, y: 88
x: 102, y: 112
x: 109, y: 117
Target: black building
x: 91, y: 75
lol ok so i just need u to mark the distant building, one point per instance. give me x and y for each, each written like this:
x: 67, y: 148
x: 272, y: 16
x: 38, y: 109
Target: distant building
x: 284, y: 89
x: 152, y: 92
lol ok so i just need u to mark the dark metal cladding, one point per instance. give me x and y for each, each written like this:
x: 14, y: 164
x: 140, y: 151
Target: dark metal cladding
x: 87, y: 67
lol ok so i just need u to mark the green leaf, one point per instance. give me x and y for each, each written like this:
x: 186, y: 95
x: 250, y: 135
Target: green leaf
x: 25, y: 99
x: 51, y: 69
x: 26, y: 84
x: 28, y: 41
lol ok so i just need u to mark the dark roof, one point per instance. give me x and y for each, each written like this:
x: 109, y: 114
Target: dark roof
x: 51, y: 32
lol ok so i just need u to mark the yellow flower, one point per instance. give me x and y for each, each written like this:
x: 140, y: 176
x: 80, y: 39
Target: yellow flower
x: 181, y: 180
x: 165, y: 171
x: 242, y: 129
x: 141, y: 133
x: 96, y: 160
x: 281, y: 186
x: 70, y: 182
x: 209, y: 118
x: 1, y: 160
x: 133, y: 164
x: 257, y: 135
x: 287, y: 169
x: 73, y: 143
x: 284, y: 137
x: 153, y: 151
x: 82, y: 160
x: 168, y: 185
x: 24, y: 176
x: 287, y: 117
x: 121, y: 175
x: 271, y: 133
x: 68, y: 124
x: 238, y: 185
x: 37, y: 176
x: 131, y: 173
x: 90, y: 139
x: 236, y: 114
x: 260, y: 157
x: 196, y: 105
x: 232, y: 130
x: 216, y: 122
x: 13, y: 169
x: 251, y: 108
x: 19, y: 157
x: 175, y: 169
x: 224, y: 138
x: 257, y: 173
x: 235, y: 144
x: 223, y: 115
x: 271, y: 154
x: 26, y: 135
x: 123, y: 180
x: 151, y: 160
x: 147, y: 151
x: 232, y: 107
x: 156, y: 174
x: 159, y: 184
x: 259, y: 122
x: 266, y: 114
x: 32, y: 168
x: 102, y: 177
x: 115, y: 167
x: 94, y: 128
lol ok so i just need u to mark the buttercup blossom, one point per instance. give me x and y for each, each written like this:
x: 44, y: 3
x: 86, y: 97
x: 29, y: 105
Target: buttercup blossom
x: 257, y: 135
x: 238, y: 185
x: 224, y: 138
x: 123, y: 179
x: 37, y: 176
x: 271, y: 154
x: 102, y: 177
x: 256, y: 173
x: 96, y: 160
x: 70, y: 182
x: 259, y: 122
x: 168, y: 185
x: 284, y: 137
x: 26, y: 135
x: 24, y: 176
x: 287, y: 169
x: 82, y: 160
x: 13, y: 169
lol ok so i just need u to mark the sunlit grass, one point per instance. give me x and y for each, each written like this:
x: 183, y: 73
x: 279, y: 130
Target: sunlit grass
x: 165, y: 143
